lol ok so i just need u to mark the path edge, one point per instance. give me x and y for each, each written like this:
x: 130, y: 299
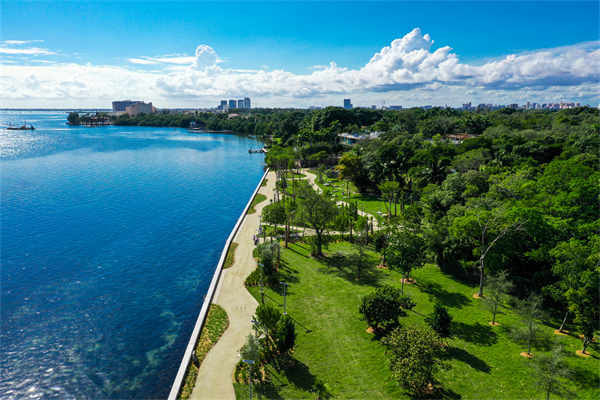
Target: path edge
x: 187, y: 356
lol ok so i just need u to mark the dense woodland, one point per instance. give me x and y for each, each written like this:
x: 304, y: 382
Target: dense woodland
x: 521, y: 198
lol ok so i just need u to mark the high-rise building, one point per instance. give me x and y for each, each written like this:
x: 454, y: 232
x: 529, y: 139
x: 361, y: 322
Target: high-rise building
x: 240, y: 104
x: 247, y: 102
x: 139, y: 107
x: 395, y: 107
x: 347, y: 104
x: 232, y: 104
x: 122, y: 105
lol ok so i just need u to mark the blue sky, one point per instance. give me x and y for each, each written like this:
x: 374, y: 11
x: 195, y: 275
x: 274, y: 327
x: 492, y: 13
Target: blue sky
x: 280, y: 53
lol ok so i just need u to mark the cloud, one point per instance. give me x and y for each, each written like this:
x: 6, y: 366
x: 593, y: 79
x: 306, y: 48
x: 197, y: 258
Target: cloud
x: 18, y: 42
x: 29, y: 51
x: 408, y: 67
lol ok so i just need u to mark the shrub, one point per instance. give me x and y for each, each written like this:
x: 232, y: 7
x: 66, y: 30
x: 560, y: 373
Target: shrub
x: 382, y: 308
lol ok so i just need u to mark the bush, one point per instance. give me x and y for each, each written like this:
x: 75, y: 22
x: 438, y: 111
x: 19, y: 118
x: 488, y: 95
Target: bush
x: 382, y: 308
x: 415, y: 358
x: 439, y: 320
x: 286, y: 334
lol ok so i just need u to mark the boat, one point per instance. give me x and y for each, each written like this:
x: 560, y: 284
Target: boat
x: 22, y: 128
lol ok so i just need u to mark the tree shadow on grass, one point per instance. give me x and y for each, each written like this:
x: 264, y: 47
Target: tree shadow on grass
x: 440, y: 393
x: 476, y: 333
x: 296, y: 372
x: 345, y: 266
x: 586, y: 378
x: 268, y: 390
x: 468, y: 358
x: 448, y: 299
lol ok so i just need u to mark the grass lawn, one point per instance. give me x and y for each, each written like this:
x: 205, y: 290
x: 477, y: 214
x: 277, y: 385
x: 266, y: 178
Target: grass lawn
x: 258, y: 199
x: 214, y: 327
x: 230, y: 258
x: 295, y: 175
x: 333, y: 345
x: 368, y: 203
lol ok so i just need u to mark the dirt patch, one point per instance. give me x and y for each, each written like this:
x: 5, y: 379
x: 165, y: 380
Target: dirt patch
x: 583, y: 337
x: 409, y: 281
x: 582, y: 354
x: 524, y: 354
x: 494, y: 323
x: 563, y: 333
x: 381, y: 266
x: 370, y: 330
x: 476, y: 296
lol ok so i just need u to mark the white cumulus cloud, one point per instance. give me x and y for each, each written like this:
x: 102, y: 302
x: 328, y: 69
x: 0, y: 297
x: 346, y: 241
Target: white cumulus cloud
x: 408, y: 67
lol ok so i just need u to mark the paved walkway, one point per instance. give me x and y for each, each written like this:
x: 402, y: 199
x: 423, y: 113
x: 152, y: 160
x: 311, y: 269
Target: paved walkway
x: 214, y: 380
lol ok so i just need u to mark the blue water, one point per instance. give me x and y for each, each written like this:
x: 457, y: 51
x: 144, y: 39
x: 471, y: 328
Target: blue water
x: 110, y: 237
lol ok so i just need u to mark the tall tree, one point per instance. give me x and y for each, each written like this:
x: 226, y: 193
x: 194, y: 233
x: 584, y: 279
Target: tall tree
x: 584, y: 303
x: 572, y: 258
x: 550, y: 373
x: 498, y: 288
x: 405, y: 252
x: 485, y: 225
x: 318, y: 210
x: 530, y: 312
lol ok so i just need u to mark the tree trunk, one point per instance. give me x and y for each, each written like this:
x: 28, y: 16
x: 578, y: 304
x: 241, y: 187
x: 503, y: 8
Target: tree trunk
x: 586, y: 343
x: 495, y: 310
x: 403, y: 275
x: 564, y: 321
x: 480, y: 293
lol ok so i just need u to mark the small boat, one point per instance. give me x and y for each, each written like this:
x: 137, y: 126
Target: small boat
x: 22, y: 128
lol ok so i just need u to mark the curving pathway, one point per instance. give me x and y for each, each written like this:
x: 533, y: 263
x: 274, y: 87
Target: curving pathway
x: 214, y: 380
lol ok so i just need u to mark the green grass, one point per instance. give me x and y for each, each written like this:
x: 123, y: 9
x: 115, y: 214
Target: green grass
x: 216, y: 323
x: 258, y: 199
x: 289, y: 175
x: 369, y: 203
x: 230, y: 259
x: 332, y: 345
x: 264, y: 182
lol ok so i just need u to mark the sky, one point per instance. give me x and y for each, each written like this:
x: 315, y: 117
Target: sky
x: 190, y: 54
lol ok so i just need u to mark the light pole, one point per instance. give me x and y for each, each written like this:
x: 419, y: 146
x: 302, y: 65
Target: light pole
x: 249, y: 362
x: 285, y: 285
x: 262, y: 293
x: 255, y: 326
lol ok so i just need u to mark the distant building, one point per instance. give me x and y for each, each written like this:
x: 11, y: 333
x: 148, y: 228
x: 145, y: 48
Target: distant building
x: 458, y: 138
x: 232, y: 104
x: 139, y: 107
x: 247, y: 102
x: 240, y: 104
x: 347, y: 104
x: 352, y: 138
x: 122, y: 105
x: 395, y: 107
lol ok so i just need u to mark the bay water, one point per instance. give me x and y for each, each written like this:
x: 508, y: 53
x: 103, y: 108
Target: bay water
x: 109, y: 239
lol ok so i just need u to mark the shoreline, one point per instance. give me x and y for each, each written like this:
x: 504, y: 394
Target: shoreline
x: 210, y: 296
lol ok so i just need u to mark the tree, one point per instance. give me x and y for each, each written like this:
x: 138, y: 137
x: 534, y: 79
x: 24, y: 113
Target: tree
x: 251, y: 349
x: 530, y: 312
x: 405, y: 252
x: 584, y: 304
x: 572, y: 258
x: 274, y: 214
x: 268, y: 317
x: 439, y: 320
x: 382, y: 308
x: 490, y: 225
x: 497, y: 287
x: 415, y: 357
x: 351, y: 168
x: 389, y: 191
x: 286, y: 334
x: 318, y: 210
x: 360, y: 245
x: 73, y: 118
x: 549, y: 372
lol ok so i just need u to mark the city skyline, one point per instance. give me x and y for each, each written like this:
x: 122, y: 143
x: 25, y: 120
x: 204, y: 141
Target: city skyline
x: 404, y: 57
